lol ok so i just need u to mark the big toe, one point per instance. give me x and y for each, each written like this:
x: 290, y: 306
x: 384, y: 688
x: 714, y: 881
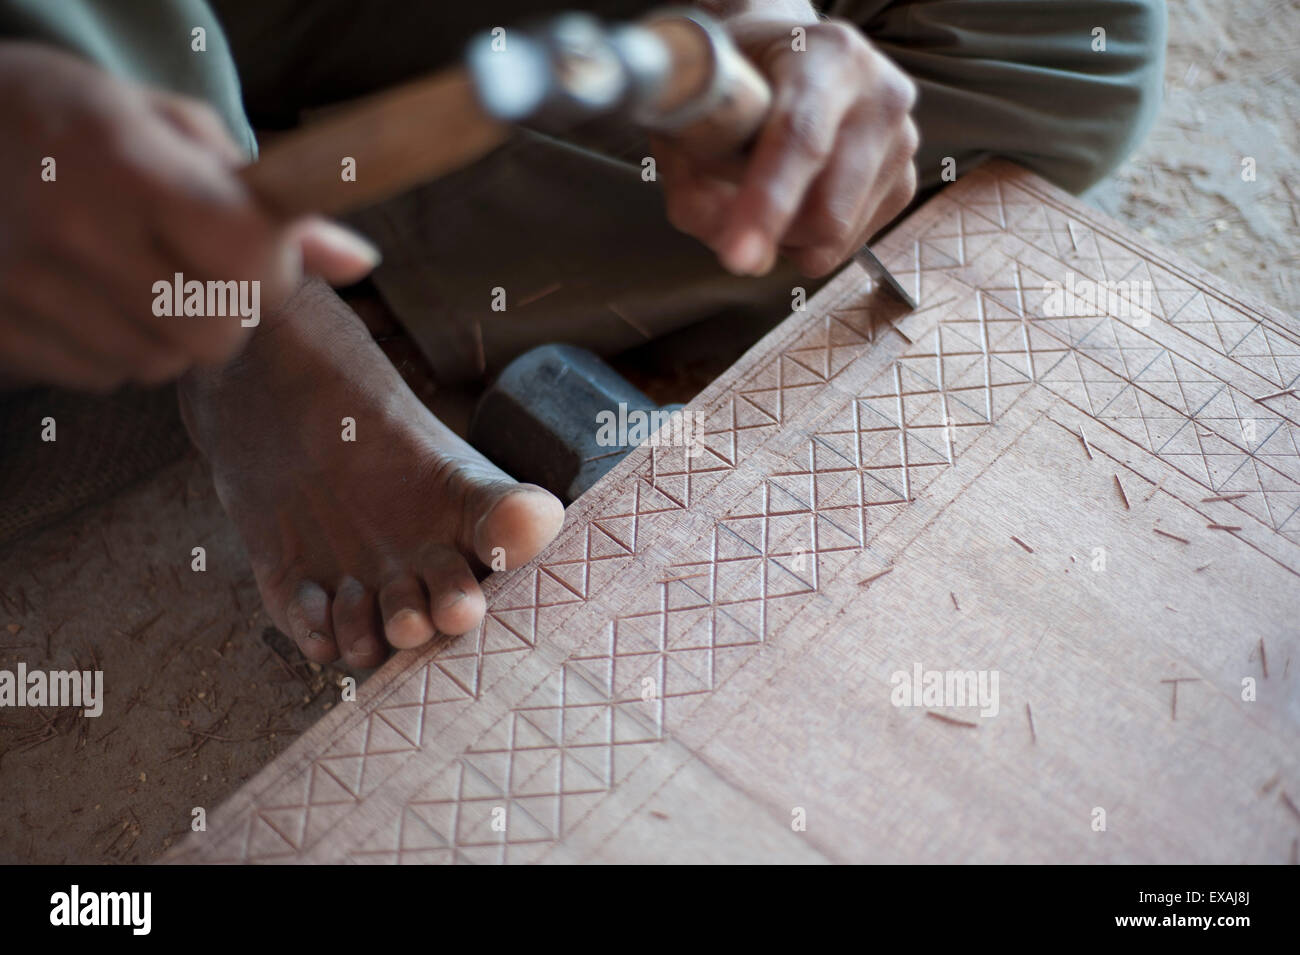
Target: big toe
x: 517, y: 526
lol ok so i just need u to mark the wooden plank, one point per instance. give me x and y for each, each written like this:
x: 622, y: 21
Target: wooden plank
x: 710, y: 653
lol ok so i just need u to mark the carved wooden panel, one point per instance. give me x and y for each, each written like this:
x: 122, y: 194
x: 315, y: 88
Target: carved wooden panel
x: 1101, y: 509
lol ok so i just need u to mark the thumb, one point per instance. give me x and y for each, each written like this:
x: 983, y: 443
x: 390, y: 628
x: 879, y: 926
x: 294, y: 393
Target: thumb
x: 338, y: 255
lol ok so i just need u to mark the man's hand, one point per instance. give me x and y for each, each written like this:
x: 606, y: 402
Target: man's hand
x: 144, y: 186
x: 831, y: 166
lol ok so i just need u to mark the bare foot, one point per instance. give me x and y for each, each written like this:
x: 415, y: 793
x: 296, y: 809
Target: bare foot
x: 354, y: 542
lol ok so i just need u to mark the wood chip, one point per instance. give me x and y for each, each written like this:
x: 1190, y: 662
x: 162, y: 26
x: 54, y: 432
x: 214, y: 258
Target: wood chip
x: 1286, y: 801
x: 673, y: 580
x: 950, y: 720
x: 1022, y: 543
x: 876, y: 576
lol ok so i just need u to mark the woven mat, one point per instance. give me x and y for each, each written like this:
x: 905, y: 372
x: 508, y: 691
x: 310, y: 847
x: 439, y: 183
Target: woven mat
x: 102, y: 444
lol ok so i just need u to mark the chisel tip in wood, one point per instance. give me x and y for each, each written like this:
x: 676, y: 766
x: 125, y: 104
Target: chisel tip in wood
x: 868, y: 260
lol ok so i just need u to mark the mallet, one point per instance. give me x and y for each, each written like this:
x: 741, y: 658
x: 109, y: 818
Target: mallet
x: 676, y: 73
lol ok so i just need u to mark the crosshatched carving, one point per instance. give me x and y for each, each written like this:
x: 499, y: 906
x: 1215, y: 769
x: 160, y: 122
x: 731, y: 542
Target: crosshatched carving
x: 676, y: 570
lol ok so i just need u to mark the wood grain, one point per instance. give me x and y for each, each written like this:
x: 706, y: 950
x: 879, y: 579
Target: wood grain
x: 880, y: 492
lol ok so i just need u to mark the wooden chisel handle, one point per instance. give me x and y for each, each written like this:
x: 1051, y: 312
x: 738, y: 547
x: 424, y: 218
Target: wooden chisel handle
x: 376, y: 148
x: 683, y: 78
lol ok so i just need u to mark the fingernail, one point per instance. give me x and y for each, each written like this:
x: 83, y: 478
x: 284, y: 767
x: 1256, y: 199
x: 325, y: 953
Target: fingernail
x: 749, y: 255
x: 348, y: 242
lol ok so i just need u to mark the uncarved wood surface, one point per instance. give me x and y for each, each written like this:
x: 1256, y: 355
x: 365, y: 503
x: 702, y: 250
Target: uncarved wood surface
x: 880, y: 491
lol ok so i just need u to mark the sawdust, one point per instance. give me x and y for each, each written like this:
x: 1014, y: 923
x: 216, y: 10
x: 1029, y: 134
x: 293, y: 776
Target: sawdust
x: 1232, y: 92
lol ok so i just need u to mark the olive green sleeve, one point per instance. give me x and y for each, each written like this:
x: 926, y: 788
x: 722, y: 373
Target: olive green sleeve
x: 150, y: 41
x: 1066, y: 88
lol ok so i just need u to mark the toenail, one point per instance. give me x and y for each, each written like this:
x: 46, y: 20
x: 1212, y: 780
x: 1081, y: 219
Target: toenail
x: 403, y: 615
x: 364, y: 649
x: 316, y: 635
x: 455, y: 597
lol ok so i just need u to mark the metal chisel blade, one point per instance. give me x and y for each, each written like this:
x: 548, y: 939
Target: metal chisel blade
x: 868, y: 260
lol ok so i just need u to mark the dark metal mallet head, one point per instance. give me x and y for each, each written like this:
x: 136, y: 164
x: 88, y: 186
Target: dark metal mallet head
x: 539, y: 419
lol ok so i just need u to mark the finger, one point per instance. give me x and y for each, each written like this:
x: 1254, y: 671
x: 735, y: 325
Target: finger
x: 229, y: 240
x: 696, y: 203
x: 338, y: 255
x: 198, y: 121
x: 792, y: 149
x: 868, y: 181
x: 80, y: 309
x: 31, y: 351
x: 816, y: 261
x: 205, y: 219
x: 840, y: 210
x: 72, y: 309
x: 125, y: 273
x: 893, y: 204
x: 892, y: 191
x: 837, y: 203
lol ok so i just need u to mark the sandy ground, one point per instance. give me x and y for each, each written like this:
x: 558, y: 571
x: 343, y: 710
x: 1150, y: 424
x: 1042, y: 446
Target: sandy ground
x: 201, y: 690
x: 1232, y: 93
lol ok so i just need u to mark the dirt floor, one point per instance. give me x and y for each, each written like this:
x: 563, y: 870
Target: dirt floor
x: 1232, y: 88
x: 201, y: 690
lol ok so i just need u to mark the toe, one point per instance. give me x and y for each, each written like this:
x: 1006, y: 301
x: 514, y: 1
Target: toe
x: 456, y: 603
x: 404, y: 605
x: 310, y: 626
x: 356, y: 624
x: 517, y: 526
